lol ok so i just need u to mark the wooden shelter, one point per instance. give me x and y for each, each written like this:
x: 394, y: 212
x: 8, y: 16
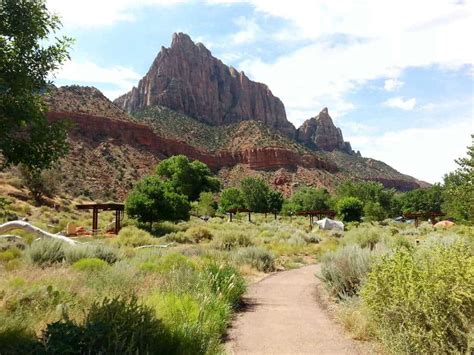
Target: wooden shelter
x: 233, y: 211
x: 119, y: 209
x: 320, y: 214
x: 417, y: 215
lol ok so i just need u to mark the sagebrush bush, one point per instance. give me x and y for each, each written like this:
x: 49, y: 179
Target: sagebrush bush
x: 344, y: 270
x: 134, y: 237
x: 422, y: 299
x: 366, y: 237
x: 100, y: 251
x: 198, y: 234
x: 229, y: 241
x: 259, y: 258
x: 178, y: 237
x: 46, y: 252
x: 90, y: 264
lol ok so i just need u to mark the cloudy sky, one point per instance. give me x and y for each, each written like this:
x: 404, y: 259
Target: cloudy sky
x: 397, y: 76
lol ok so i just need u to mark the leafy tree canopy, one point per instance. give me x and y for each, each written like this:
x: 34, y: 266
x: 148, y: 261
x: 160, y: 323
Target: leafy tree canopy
x: 231, y: 198
x: 186, y: 177
x: 255, y: 192
x: 308, y: 199
x: 152, y: 200
x: 274, y: 201
x: 422, y: 200
x: 350, y: 209
x: 28, y: 57
x: 458, y: 191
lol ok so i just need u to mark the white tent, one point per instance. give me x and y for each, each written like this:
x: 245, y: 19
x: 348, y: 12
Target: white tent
x: 330, y: 224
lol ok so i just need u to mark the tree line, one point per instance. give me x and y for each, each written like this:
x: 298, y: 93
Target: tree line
x: 181, y: 187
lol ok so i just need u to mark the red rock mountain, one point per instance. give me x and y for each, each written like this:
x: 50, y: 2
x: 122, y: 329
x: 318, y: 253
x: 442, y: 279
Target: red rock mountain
x: 320, y: 132
x: 111, y: 150
x: 188, y: 79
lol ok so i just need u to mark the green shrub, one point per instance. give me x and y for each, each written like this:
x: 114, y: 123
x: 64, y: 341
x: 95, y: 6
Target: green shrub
x: 179, y: 237
x: 229, y: 241
x: 259, y: 258
x: 134, y: 237
x: 89, y: 264
x: 198, y: 234
x: 196, y: 322
x: 224, y: 281
x: 364, y: 237
x: 9, y: 254
x: 114, y: 326
x: 422, y: 299
x: 100, y: 251
x: 46, y: 252
x: 344, y: 270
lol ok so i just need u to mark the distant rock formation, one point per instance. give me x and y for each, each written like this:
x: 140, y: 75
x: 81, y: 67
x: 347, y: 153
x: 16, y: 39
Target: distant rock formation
x: 188, y: 79
x: 320, y: 133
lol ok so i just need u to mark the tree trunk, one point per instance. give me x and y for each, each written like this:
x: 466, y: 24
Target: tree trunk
x: 6, y: 227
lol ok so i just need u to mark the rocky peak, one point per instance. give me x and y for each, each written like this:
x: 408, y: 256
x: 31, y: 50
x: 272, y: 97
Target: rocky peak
x: 319, y: 132
x: 188, y: 79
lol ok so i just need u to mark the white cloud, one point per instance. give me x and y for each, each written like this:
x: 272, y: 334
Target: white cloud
x: 392, y: 84
x: 249, y: 30
x: 412, y: 151
x: 391, y: 36
x: 97, y: 13
x: 121, y: 78
x: 399, y: 102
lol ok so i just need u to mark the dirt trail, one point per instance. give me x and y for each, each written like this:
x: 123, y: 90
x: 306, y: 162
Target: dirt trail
x: 283, y: 316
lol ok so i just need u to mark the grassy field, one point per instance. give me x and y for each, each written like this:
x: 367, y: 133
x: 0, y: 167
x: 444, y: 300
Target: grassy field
x: 191, y: 287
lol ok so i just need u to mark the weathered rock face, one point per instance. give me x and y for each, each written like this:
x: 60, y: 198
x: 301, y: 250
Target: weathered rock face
x: 320, y: 133
x: 121, y: 132
x: 188, y: 79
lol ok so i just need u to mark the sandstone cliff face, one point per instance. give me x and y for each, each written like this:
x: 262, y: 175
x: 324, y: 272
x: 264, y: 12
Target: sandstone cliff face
x: 188, y: 79
x: 138, y: 135
x: 320, y: 133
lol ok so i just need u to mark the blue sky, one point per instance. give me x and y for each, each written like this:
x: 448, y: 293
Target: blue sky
x: 397, y: 76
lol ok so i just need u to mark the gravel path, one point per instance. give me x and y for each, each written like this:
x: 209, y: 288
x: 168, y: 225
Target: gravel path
x: 282, y: 316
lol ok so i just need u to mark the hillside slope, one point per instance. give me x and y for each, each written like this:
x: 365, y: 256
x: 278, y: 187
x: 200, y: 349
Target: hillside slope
x: 111, y: 150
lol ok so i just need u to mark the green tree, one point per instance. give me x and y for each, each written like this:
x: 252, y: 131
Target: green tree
x: 274, y: 201
x: 28, y: 57
x: 458, y: 191
x: 350, y: 209
x: 205, y: 205
x: 423, y: 200
x: 309, y: 199
x: 187, y: 177
x: 231, y: 198
x: 255, y: 192
x: 152, y: 200
x: 378, y: 201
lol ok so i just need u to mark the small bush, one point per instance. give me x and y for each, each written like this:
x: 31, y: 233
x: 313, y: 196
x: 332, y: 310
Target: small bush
x: 344, y: 270
x: 179, y: 237
x: 259, y: 258
x: 114, y: 326
x: 10, y: 254
x: 100, y: 251
x: 46, y: 252
x: 229, y: 241
x: 422, y: 299
x: 134, y: 237
x: 364, y: 237
x: 89, y: 264
x: 198, y: 234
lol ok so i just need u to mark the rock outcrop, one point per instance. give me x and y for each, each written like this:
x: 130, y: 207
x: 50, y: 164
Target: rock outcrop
x: 320, y: 133
x: 120, y: 132
x: 188, y: 79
